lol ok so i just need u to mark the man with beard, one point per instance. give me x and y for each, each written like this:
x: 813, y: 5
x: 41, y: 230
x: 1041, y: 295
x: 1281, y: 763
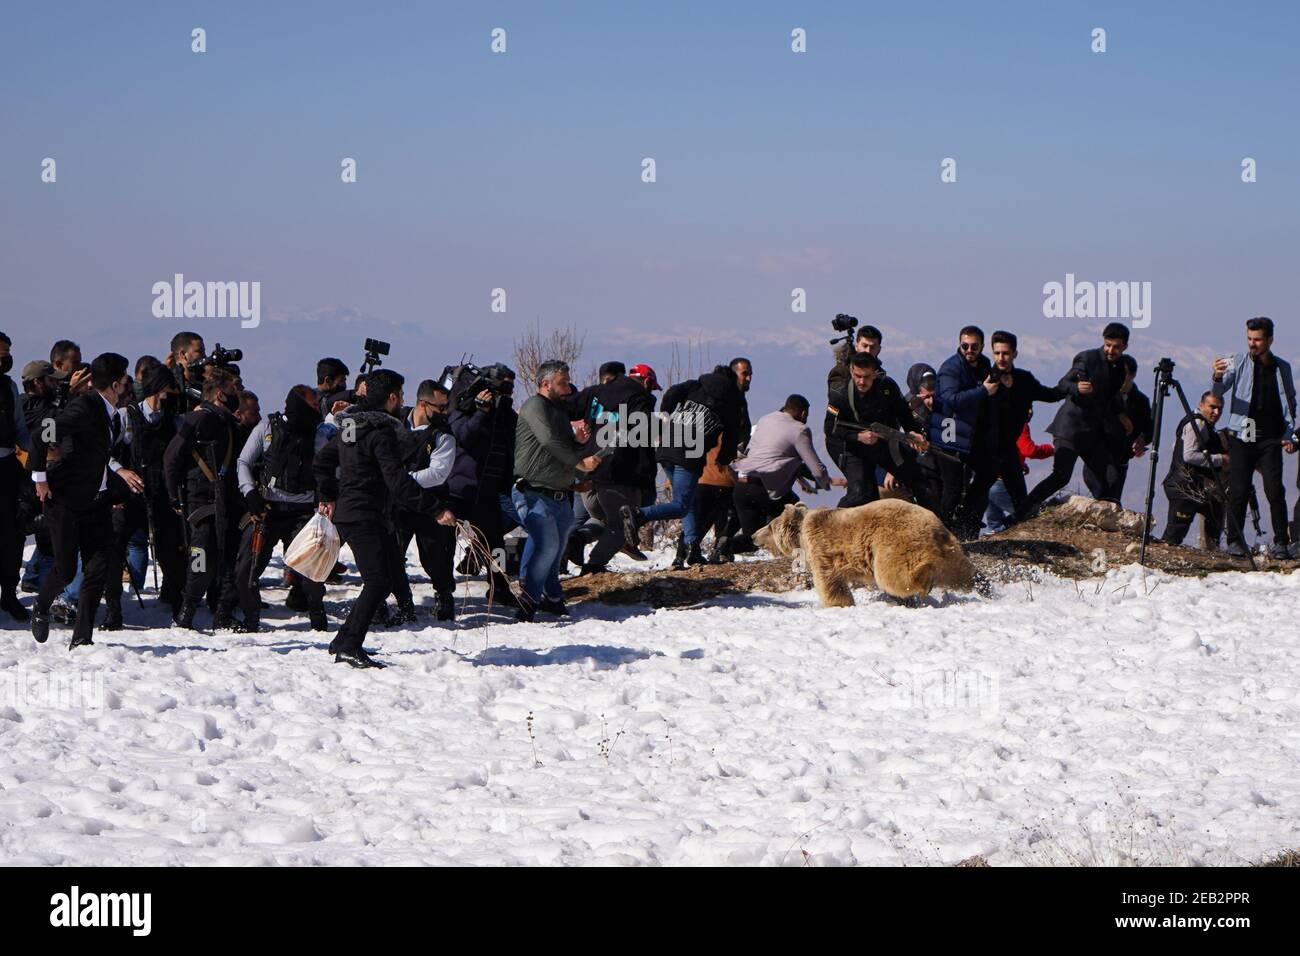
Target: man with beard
x: 780, y: 450
x: 1199, y: 454
x: 958, y: 419
x: 1259, y: 396
x: 873, y: 398
x: 78, y: 492
x: 429, y: 454
x: 1080, y: 427
x: 279, y: 489
x: 995, y: 452
x: 200, y: 471
x: 360, y: 480
x: 13, y: 435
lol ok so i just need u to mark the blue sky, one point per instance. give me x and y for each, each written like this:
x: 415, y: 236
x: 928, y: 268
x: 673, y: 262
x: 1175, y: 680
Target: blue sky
x: 522, y: 171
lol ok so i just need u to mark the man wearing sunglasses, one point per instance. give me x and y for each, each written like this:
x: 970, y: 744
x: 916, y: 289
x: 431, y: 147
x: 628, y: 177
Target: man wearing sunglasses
x: 958, y: 417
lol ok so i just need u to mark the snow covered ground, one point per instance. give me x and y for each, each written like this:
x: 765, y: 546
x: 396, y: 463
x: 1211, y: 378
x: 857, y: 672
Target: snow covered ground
x: 1055, y: 723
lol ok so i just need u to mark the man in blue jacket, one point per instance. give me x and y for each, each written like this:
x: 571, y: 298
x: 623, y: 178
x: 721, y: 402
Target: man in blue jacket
x: 1258, y: 395
x: 958, y: 417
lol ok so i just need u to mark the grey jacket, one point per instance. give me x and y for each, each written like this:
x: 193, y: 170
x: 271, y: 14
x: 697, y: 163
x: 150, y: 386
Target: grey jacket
x: 778, y: 446
x: 546, y: 453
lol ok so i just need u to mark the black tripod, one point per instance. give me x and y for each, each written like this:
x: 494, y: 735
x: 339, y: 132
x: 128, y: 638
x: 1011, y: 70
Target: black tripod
x: 1164, y: 382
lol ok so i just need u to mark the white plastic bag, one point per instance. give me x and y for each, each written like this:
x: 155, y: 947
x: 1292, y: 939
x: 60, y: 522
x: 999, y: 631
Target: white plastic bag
x: 315, y: 549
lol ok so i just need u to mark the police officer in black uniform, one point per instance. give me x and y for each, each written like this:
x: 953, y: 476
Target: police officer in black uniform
x: 199, y: 468
x: 275, y: 477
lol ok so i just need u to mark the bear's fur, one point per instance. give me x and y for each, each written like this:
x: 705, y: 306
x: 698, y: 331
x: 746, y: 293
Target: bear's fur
x: 899, y: 547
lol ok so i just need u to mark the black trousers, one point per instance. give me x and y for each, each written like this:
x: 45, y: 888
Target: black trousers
x: 1119, y: 475
x: 12, y: 477
x: 168, y: 547
x: 1181, y: 513
x: 282, y: 525
x: 485, y: 515
x: 373, y: 544
x: 859, y: 463
x: 986, y: 467
x: 715, y: 509
x: 954, y: 478
x: 609, y: 500
x: 436, y: 546
x: 754, y: 508
x: 212, y: 563
x: 1247, y: 457
x: 1095, y: 454
x: 86, y: 532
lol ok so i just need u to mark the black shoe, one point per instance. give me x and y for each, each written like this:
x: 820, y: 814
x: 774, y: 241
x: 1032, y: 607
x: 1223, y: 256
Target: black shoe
x: 63, y: 613
x: 695, y: 556
x: 574, y: 548
x: 526, y: 611
x: 505, y: 597
x: 593, y: 569
x: 679, y: 559
x: 112, y: 616
x: 319, y: 622
x: 1236, y: 549
x: 29, y: 587
x: 405, y: 614
x: 14, y: 606
x: 631, y: 524
x: 76, y: 642
x: 225, y: 621
x: 296, y: 600
x: 358, y: 659
x: 558, y: 608
x: 444, y: 606
x: 382, y: 617
x: 185, y: 616
x: 336, y: 575
x: 40, y: 625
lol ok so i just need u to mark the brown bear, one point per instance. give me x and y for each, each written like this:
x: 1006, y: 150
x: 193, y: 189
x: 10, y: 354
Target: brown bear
x: 901, y: 548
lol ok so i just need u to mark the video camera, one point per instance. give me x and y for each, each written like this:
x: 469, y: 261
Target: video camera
x: 843, y: 322
x: 466, y: 381
x: 373, y: 349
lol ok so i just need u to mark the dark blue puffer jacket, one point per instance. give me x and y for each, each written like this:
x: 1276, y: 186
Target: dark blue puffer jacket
x: 961, y: 397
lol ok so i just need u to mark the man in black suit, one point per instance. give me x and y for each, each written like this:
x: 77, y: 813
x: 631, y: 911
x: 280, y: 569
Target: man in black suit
x: 78, y: 491
x: 1089, y: 414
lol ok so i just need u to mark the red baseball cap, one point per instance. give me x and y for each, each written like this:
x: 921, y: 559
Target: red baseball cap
x: 646, y: 372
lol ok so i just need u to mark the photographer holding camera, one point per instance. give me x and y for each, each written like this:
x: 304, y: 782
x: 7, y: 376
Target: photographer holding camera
x: 484, y: 423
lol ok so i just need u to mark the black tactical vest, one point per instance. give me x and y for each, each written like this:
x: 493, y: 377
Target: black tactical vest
x: 286, y: 464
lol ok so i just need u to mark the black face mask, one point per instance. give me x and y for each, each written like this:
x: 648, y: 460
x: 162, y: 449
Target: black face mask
x: 231, y: 402
x: 437, y: 420
x: 6, y: 364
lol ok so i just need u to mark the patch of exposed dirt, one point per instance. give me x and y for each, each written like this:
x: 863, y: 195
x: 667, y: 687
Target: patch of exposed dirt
x: 1057, y: 541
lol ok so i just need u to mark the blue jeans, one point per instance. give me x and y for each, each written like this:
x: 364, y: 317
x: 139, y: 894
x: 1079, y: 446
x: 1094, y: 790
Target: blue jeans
x: 682, y: 506
x: 40, y: 564
x: 548, y: 523
x: 999, y: 509
x: 137, y: 557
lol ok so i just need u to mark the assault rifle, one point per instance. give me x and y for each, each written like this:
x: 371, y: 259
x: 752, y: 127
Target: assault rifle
x: 896, y: 439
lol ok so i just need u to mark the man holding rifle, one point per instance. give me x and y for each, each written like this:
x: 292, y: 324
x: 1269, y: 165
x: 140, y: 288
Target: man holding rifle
x: 873, y: 418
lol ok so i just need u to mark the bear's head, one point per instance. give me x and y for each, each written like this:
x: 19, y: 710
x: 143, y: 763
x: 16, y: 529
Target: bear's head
x: 780, y: 536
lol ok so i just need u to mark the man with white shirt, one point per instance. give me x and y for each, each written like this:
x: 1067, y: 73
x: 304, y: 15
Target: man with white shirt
x: 147, y: 426
x: 275, y: 478
x: 78, y: 492
x: 428, y: 453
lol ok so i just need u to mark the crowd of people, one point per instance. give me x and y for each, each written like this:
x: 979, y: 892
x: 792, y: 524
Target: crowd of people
x: 110, y: 464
